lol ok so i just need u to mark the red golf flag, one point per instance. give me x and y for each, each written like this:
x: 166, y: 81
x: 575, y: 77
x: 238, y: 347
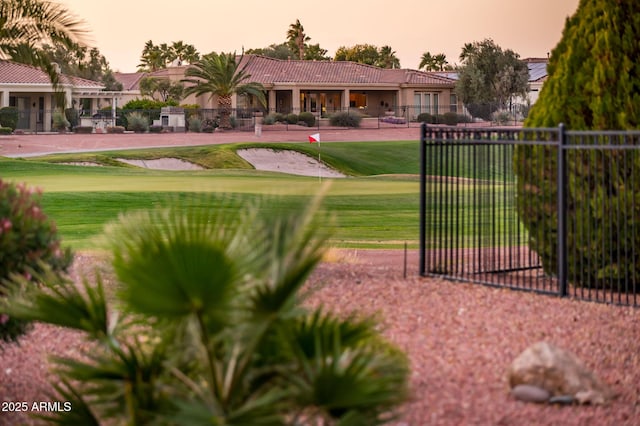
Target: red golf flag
x: 314, y: 138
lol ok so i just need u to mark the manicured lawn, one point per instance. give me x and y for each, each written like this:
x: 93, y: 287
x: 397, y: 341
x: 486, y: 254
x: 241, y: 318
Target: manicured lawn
x: 377, y: 207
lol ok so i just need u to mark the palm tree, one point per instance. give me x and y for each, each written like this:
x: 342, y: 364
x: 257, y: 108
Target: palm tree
x: 211, y: 329
x: 221, y: 75
x: 26, y: 26
x: 152, y: 58
x: 427, y: 62
x: 468, y: 50
x: 440, y: 61
x: 184, y: 52
x: 387, y: 58
x: 296, y: 38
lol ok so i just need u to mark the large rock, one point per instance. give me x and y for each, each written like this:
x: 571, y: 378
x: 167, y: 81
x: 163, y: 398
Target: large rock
x: 558, y: 372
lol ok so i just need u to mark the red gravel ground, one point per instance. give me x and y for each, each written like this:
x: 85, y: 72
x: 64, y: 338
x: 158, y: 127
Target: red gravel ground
x: 460, y: 338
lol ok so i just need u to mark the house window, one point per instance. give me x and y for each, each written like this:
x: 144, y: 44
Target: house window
x: 358, y: 100
x: 436, y: 103
x: 422, y: 102
x: 453, y: 103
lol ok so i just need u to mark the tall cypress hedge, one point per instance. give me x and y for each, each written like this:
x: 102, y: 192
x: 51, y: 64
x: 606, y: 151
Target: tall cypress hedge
x: 593, y: 83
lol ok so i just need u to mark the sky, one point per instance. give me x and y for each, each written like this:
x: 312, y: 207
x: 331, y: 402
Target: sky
x: 120, y: 28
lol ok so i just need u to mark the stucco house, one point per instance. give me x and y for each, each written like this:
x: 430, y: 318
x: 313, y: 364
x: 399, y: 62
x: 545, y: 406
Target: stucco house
x: 323, y: 87
x: 29, y: 89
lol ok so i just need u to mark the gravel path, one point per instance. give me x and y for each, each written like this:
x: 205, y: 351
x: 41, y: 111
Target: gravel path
x: 460, y: 339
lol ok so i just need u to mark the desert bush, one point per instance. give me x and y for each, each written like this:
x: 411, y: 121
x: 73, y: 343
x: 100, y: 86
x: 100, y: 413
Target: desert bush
x: 72, y: 116
x: 9, y: 117
x: 450, y: 118
x: 211, y: 326
x: 271, y: 118
x: 28, y: 242
x: 115, y: 129
x: 502, y: 117
x: 83, y: 129
x: 307, y: 118
x: 345, y: 119
x: 195, y: 124
x: 292, y: 118
x: 425, y: 117
x: 5, y: 130
x: 59, y: 121
x: 137, y: 122
x: 209, y: 125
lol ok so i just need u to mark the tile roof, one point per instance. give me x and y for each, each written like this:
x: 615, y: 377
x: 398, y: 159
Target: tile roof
x: 15, y: 73
x: 129, y: 80
x: 269, y: 71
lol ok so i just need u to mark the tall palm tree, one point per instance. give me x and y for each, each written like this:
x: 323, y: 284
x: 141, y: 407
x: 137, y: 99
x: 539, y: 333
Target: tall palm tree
x: 387, y: 58
x: 211, y: 328
x: 152, y: 58
x: 427, y: 62
x: 28, y: 25
x: 468, y: 50
x: 222, y: 75
x: 440, y: 61
x: 296, y: 38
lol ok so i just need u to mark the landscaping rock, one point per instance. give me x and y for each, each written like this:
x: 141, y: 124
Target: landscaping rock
x: 529, y: 393
x: 557, y: 372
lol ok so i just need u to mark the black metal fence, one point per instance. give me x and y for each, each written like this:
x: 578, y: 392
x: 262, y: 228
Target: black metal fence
x: 545, y: 210
x: 206, y: 119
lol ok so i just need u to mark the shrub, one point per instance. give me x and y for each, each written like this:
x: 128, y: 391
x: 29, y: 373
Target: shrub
x: 59, y: 121
x: 308, y: 118
x: 602, y: 204
x: 5, y: 130
x: 155, y: 129
x: 84, y: 129
x: 501, y: 117
x: 269, y: 119
x: 450, y: 118
x: 28, y: 239
x: 71, y: 114
x: 115, y: 129
x: 211, y: 329
x: 425, y: 117
x: 195, y: 124
x: 137, y: 122
x: 292, y: 118
x: 345, y: 119
x: 209, y: 125
x: 9, y: 117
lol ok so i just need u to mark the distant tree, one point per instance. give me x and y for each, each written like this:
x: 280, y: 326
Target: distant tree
x: 468, y: 50
x: 387, y: 58
x: 221, y: 75
x: 183, y: 53
x: 430, y: 62
x: 593, y: 83
x: 313, y: 52
x: 79, y: 61
x: 152, y: 58
x: 361, y: 53
x: 277, y: 51
x: 297, y: 39
x: 163, y: 87
x: 490, y: 77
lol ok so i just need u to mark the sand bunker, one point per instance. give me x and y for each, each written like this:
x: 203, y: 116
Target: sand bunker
x: 163, y: 164
x: 287, y: 161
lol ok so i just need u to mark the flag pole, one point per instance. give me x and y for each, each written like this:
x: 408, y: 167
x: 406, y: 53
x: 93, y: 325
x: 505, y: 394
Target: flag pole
x: 319, y: 164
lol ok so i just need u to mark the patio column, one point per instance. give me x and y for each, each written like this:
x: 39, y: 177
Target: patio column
x: 46, y: 118
x: 295, y: 100
x: 345, y: 99
x: 5, y: 98
x: 271, y: 103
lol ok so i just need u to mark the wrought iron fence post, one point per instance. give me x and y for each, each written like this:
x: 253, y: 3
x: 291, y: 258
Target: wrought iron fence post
x: 562, y: 211
x: 423, y: 197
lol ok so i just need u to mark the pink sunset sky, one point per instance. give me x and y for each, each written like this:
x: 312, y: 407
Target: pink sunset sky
x: 119, y: 28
